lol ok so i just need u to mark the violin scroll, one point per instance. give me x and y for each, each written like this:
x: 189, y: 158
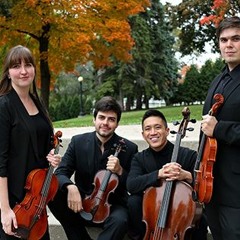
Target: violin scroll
x: 219, y: 101
x: 56, y: 141
x: 121, y: 146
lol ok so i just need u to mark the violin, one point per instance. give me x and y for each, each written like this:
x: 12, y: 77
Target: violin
x: 96, y: 207
x: 41, y: 187
x: 203, y: 177
x: 168, y: 209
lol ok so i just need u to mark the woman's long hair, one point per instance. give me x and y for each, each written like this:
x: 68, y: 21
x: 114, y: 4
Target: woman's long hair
x: 15, y: 56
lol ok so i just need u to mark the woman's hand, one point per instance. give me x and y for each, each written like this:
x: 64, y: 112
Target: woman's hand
x: 9, y: 221
x: 54, y: 159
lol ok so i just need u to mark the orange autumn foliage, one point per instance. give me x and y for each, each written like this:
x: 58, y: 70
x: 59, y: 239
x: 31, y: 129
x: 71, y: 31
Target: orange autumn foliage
x: 220, y: 7
x: 62, y: 33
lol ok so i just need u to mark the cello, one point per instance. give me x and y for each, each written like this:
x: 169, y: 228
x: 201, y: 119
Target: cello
x: 203, y: 177
x: 168, y: 209
x: 41, y: 186
x: 95, y: 206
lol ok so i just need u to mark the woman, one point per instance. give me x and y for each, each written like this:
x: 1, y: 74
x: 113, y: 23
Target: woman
x: 25, y: 134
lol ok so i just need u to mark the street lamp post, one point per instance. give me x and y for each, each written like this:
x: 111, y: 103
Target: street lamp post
x: 81, y: 113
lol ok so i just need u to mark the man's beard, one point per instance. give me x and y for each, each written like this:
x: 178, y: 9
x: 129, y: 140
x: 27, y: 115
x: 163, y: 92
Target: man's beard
x: 105, y: 135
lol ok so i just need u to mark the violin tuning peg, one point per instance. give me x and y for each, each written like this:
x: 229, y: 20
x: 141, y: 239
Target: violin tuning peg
x: 190, y: 129
x: 193, y: 121
x: 175, y: 123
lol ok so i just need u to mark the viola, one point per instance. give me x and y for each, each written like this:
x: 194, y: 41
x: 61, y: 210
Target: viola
x: 168, y: 209
x: 41, y: 187
x: 95, y: 206
x: 203, y: 176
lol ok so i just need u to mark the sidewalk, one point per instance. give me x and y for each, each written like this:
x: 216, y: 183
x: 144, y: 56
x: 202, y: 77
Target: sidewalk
x: 134, y: 133
x: 131, y: 132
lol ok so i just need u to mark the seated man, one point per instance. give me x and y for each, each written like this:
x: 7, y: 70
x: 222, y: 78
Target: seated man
x: 153, y: 164
x: 87, y: 154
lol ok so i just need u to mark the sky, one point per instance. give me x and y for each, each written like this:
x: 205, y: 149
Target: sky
x: 194, y: 59
x: 171, y: 1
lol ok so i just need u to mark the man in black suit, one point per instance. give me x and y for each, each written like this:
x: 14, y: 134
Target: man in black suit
x: 152, y: 167
x: 223, y: 211
x: 85, y: 156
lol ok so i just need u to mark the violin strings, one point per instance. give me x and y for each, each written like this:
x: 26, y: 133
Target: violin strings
x: 44, y: 191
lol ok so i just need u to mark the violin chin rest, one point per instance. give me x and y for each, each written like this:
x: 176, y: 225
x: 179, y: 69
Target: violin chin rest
x: 21, y: 232
x: 86, y: 216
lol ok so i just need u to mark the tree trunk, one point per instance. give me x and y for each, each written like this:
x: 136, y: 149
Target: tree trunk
x: 121, y: 98
x: 44, y: 67
x: 146, y: 101
x: 129, y: 103
x: 139, y: 102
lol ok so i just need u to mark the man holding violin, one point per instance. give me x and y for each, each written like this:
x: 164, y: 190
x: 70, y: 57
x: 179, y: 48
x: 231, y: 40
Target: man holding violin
x: 87, y: 154
x: 153, y: 166
x: 223, y: 210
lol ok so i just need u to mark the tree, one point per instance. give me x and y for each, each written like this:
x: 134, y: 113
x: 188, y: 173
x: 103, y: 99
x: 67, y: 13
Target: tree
x: 196, y: 21
x: 164, y: 71
x: 191, y: 85
x: 207, y: 73
x: 142, y: 58
x: 62, y: 33
x: 220, y: 8
x: 189, y: 90
x: 152, y: 72
x: 67, y: 87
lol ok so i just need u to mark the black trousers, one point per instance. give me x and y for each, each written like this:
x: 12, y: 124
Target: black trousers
x: 138, y: 227
x: 115, y: 226
x: 224, y: 221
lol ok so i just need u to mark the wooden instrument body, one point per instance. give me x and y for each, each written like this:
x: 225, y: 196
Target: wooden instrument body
x: 99, y: 198
x: 169, y: 210
x: 184, y: 212
x: 41, y: 187
x: 203, y: 170
x: 96, y: 207
x: 30, y: 211
x: 204, y: 175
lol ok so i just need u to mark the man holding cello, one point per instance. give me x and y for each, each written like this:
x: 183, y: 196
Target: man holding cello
x: 88, y: 153
x: 153, y: 166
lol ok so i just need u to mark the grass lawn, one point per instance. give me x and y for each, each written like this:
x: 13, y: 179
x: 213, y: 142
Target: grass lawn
x: 134, y: 117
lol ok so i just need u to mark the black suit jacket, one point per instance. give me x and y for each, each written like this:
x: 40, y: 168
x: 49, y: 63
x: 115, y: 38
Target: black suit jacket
x: 226, y: 172
x: 79, y: 159
x: 146, y: 164
x: 18, y: 144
